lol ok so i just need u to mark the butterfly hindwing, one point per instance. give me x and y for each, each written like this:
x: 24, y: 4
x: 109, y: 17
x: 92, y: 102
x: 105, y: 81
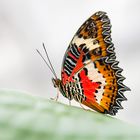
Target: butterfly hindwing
x: 90, y: 70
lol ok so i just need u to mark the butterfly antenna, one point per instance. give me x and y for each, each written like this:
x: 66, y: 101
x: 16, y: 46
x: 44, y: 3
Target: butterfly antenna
x: 49, y: 60
x: 46, y: 62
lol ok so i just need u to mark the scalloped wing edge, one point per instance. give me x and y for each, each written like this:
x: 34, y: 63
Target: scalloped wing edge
x: 111, y: 59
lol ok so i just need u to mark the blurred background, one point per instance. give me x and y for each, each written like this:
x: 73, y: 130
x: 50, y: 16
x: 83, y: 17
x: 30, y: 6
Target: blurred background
x: 24, y: 25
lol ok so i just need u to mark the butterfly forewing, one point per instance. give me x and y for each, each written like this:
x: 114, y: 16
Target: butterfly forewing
x: 90, y: 72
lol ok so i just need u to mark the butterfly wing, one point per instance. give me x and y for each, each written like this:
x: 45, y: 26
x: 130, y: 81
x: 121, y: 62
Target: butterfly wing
x: 90, y: 65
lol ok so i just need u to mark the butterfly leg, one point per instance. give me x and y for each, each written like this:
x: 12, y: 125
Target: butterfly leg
x: 82, y: 106
x: 57, y: 96
x: 69, y: 102
x: 80, y: 102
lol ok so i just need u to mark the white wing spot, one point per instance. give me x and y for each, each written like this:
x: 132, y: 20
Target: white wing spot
x: 89, y: 42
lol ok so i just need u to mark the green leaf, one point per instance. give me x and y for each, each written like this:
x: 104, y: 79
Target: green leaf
x: 27, y: 117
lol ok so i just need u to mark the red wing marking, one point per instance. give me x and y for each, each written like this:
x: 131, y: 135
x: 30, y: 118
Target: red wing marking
x: 72, y: 56
x: 78, y: 66
x: 88, y: 86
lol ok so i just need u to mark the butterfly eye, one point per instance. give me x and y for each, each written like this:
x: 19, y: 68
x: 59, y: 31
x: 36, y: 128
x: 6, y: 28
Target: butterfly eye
x: 97, y: 51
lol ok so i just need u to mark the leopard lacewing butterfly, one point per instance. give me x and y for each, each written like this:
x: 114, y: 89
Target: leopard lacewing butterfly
x: 90, y: 73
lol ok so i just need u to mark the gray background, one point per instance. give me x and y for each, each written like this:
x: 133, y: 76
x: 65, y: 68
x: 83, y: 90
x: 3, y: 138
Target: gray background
x: 25, y: 24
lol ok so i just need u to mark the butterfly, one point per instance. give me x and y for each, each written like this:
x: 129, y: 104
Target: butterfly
x: 90, y: 73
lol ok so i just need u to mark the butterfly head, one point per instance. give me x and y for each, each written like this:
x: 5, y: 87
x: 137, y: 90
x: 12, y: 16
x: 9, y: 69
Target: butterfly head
x: 56, y: 82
